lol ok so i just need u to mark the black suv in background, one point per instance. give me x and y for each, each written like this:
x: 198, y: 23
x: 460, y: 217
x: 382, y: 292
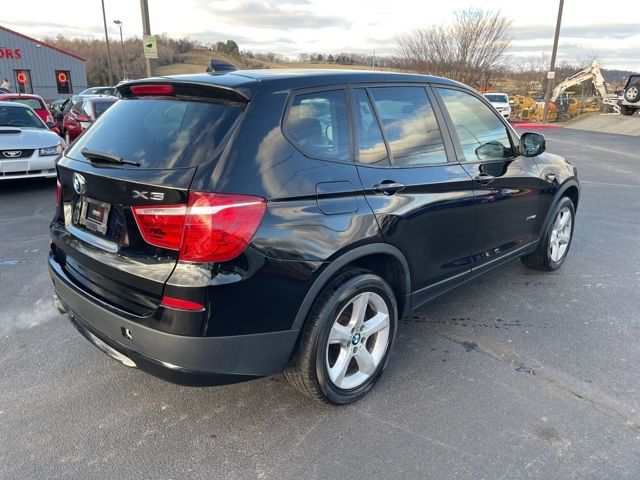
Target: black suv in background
x: 217, y: 228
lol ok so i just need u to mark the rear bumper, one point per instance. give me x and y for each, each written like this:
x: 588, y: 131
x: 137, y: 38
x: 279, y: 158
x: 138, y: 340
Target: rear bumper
x: 176, y: 358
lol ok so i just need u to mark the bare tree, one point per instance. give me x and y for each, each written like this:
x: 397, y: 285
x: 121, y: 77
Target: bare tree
x: 466, y: 50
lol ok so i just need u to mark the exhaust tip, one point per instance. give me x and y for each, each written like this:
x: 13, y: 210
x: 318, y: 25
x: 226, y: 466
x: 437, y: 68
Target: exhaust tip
x: 59, y: 305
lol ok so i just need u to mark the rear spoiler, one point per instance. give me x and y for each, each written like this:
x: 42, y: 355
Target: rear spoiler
x: 187, y: 90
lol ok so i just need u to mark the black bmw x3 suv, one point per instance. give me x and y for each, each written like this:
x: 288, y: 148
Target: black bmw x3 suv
x: 217, y: 228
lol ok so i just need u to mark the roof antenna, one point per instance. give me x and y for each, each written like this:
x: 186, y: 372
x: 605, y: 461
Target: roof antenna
x: 218, y: 66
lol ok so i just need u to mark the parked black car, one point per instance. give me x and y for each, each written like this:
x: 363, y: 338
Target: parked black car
x: 216, y: 228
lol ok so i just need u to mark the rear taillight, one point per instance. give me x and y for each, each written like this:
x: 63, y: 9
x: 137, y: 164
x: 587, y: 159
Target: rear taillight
x: 213, y: 227
x: 58, y: 193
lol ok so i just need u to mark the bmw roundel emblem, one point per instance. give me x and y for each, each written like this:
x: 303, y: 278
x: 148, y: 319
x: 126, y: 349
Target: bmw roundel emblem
x: 79, y: 185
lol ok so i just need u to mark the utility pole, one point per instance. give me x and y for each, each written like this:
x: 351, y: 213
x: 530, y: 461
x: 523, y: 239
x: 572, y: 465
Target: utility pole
x: 124, y: 70
x: 552, y: 73
x: 106, y: 36
x: 146, y: 29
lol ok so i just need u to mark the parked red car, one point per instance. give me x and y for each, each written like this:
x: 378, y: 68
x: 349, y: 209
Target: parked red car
x: 37, y: 104
x: 83, y: 114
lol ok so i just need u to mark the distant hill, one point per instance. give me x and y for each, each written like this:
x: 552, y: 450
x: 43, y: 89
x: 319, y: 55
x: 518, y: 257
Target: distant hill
x: 614, y: 77
x: 197, y: 61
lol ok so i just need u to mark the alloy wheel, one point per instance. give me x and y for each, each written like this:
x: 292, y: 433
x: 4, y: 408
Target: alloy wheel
x: 560, y: 235
x: 358, y: 340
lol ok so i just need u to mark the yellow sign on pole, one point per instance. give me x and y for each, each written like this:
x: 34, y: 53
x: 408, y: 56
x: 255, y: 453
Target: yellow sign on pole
x: 150, y: 46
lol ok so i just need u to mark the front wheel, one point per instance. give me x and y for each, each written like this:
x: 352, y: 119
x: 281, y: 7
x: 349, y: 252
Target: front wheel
x: 554, y: 245
x: 347, y: 339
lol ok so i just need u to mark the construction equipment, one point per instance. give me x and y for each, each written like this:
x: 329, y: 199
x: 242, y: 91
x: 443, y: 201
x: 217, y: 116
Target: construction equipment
x: 590, y: 73
x: 527, y: 108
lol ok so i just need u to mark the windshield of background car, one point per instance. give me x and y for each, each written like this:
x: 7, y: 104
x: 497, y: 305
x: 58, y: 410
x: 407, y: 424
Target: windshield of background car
x: 160, y: 133
x: 497, y: 98
x: 19, y: 117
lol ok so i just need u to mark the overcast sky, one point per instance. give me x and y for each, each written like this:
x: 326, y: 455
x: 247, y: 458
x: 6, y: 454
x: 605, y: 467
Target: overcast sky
x: 294, y: 26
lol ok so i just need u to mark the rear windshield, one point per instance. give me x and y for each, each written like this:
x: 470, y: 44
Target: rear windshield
x: 159, y: 133
x: 492, y: 97
x: 29, y: 102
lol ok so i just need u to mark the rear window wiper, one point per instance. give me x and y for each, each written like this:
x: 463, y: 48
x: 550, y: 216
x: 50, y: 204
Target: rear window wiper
x: 105, y: 157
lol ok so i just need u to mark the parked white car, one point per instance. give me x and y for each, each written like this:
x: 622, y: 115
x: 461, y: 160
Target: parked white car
x: 27, y: 147
x: 501, y: 103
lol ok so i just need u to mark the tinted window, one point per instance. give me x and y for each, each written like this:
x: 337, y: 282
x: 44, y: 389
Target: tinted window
x: 410, y: 125
x: 317, y: 122
x: 481, y: 133
x: 19, y: 117
x: 371, y: 147
x: 160, y: 133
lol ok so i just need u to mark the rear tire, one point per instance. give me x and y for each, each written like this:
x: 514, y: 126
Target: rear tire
x: 340, y: 358
x: 626, y: 110
x: 553, y: 246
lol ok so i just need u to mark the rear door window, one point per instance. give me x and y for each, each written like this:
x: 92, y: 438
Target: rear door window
x: 160, y: 133
x: 371, y: 147
x: 410, y: 125
x: 480, y: 131
x: 317, y: 123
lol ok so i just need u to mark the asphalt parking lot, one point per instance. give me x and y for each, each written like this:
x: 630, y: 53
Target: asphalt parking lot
x: 520, y: 374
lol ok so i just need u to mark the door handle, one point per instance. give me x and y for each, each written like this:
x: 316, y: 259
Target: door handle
x: 388, y: 187
x: 484, y: 178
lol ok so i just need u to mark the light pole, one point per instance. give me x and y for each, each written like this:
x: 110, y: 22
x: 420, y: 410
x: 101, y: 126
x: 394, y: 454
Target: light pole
x: 552, y: 73
x: 124, y: 72
x: 146, y: 29
x: 106, y: 36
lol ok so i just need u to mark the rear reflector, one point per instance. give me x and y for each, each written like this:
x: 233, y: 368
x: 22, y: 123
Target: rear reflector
x: 152, y: 89
x: 213, y: 227
x: 179, y: 304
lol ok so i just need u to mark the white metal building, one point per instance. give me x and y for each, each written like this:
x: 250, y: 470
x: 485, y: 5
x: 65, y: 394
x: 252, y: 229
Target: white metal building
x: 32, y: 66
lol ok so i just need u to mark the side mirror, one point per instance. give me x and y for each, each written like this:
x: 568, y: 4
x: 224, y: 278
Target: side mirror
x: 532, y: 144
